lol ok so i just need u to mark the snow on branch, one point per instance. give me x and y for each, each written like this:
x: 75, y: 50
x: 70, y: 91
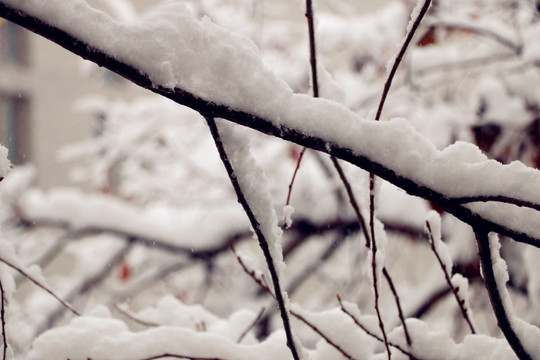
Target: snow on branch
x: 206, y: 68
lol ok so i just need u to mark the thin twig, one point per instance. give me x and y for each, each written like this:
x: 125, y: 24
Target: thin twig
x: 368, y: 332
x: 490, y: 282
x: 3, y: 319
x: 455, y: 291
x: 291, y: 184
x: 177, y: 356
x: 324, y: 336
x: 454, y: 25
x: 390, y: 283
x: 361, y: 220
x: 261, y: 283
x: 132, y: 317
x: 386, y: 89
x: 87, y: 284
x: 400, y: 56
x: 312, y: 48
x: 315, y: 85
x: 374, y: 264
x: 251, y: 325
x: 263, y: 242
x: 43, y: 287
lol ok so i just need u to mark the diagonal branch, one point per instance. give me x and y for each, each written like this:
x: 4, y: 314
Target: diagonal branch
x: 263, y: 242
x: 40, y: 285
x: 292, y: 132
x: 490, y: 282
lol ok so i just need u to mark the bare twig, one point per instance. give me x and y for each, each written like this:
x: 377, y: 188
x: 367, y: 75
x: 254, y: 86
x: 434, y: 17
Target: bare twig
x: 261, y: 283
x: 3, y: 319
x: 315, y: 85
x: 367, y: 236
x: 251, y: 325
x: 324, y: 336
x: 87, y: 284
x: 40, y: 285
x: 368, y: 332
x: 455, y: 291
x: 177, y: 356
x: 132, y: 317
x: 454, y: 25
x: 390, y: 283
x: 263, y: 242
x: 386, y: 90
x: 490, y: 283
x: 400, y: 56
x: 291, y: 184
x: 312, y: 48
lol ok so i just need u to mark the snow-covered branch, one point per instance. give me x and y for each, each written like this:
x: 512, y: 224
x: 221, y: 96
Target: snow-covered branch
x: 164, y: 51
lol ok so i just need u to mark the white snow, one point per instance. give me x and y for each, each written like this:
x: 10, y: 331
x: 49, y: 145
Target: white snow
x: 5, y: 164
x: 79, y: 210
x: 176, y: 50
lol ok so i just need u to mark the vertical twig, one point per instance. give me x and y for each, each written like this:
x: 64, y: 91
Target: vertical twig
x: 486, y: 262
x: 312, y: 48
x: 314, y: 80
x: 459, y: 301
x: 386, y: 89
x: 263, y: 243
x: 3, y: 319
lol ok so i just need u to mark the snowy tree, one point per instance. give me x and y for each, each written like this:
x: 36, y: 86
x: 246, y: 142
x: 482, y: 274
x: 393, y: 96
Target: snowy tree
x: 161, y: 261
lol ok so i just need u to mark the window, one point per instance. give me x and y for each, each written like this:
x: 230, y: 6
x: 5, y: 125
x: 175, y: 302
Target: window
x: 13, y: 44
x: 14, y: 126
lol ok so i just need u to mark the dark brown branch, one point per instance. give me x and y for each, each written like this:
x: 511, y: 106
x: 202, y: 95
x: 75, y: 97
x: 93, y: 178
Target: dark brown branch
x: 400, y: 56
x: 364, y: 229
x: 262, y: 284
x: 455, y: 291
x: 516, y: 48
x: 321, y: 334
x: 497, y: 198
x: 386, y: 90
x: 176, y: 356
x: 251, y: 325
x: 291, y: 184
x: 393, y: 289
x: 43, y: 287
x: 3, y: 319
x: 312, y: 48
x: 490, y: 283
x: 263, y: 242
x: 368, y: 332
x: 315, y: 85
x: 87, y: 284
x: 263, y: 125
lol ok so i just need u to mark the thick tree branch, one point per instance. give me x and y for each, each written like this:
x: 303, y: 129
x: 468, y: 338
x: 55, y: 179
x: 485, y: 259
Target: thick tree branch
x: 210, y: 109
x: 490, y: 282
